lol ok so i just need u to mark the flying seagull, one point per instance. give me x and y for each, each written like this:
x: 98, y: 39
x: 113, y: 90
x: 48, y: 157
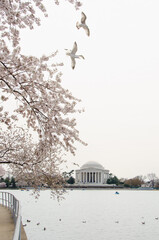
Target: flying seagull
x: 72, y: 54
x: 83, y: 24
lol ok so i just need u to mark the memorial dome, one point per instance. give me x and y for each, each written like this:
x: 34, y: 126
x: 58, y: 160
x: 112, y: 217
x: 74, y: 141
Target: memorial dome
x: 92, y: 164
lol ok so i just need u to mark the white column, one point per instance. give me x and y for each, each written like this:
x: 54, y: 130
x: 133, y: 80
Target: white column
x: 100, y: 177
x: 95, y: 177
x: 77, y: 178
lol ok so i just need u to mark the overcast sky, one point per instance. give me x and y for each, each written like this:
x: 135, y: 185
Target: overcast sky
x: 118, y: 82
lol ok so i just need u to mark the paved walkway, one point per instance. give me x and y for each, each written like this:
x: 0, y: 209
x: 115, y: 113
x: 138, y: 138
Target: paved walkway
x: 7, y: 225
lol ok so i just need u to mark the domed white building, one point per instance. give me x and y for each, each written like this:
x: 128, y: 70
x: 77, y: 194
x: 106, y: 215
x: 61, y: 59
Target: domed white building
x: 91, y: 173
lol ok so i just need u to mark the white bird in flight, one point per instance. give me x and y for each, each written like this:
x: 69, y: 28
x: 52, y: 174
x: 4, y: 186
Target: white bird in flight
x: 72, y: 54
x: 83, y: 24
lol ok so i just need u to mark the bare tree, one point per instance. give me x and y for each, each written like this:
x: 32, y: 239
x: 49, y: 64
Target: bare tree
x: 134, y: 182
x: 153, y: 178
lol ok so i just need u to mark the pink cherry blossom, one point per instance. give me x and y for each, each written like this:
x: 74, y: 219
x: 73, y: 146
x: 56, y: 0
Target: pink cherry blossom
x: 34, y: 85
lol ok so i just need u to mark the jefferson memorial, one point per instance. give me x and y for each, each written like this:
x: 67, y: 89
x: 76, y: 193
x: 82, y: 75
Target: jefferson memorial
x: 91, y: 173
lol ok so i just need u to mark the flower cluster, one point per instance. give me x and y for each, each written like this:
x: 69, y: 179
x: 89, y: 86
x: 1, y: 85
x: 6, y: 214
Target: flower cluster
x: 34, y: 86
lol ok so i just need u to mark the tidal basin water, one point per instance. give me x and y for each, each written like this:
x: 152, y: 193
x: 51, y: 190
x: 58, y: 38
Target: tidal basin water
x: 91, y: 215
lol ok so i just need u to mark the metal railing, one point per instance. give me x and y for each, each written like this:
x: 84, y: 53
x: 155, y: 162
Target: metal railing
x: 8, y: 200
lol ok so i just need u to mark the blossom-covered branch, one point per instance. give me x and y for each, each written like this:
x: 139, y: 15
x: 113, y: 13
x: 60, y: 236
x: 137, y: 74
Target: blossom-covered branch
x: 34, y: 85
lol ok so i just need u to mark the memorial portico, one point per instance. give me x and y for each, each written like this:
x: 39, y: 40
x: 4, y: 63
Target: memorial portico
x: 92, y: 173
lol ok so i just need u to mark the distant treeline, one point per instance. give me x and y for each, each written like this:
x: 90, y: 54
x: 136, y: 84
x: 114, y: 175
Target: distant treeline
x: 8, y: 182
x: 150, y: 180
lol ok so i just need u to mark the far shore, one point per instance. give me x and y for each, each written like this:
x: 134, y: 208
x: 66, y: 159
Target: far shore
x: 85, y: 187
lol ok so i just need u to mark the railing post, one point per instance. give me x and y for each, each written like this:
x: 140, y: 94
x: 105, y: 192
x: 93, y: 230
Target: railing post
x: 20, y: 228
x: 5, y: 199
x: 2, y: 199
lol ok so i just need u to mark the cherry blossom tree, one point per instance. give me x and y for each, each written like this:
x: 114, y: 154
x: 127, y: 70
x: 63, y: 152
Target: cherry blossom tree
x: 2, y: 171
x: 34, y: 85
x: 31, y: 163
x: 3, y: 185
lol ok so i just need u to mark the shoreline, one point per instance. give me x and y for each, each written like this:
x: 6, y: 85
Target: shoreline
x: 85, y: 187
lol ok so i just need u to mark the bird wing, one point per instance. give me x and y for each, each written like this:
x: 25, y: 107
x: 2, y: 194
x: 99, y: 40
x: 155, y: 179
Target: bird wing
x: 73, y: 62
x: 86, y: 30
x: 74, y: 50
x: 81, y: 56
x: 83, y: 18
x: 77, y: 25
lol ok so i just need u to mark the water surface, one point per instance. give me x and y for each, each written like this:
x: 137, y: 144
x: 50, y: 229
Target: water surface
x: 91, y: 214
